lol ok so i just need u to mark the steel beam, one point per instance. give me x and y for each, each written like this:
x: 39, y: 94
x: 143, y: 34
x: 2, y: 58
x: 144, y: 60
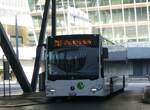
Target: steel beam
x: 14, y: 61
x: 53, y: 18
x: 39, y: 47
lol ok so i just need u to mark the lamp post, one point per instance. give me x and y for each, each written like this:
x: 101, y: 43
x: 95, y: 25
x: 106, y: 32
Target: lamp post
x: 17, y: 36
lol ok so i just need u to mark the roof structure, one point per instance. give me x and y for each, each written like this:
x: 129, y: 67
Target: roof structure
x: 11, y: 8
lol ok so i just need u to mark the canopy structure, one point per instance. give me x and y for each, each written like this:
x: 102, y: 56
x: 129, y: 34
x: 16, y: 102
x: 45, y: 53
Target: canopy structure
x: 11, y: 8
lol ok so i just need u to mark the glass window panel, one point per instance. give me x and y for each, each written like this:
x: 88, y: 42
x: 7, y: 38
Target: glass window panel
x: 32, y: 4
x: 132, y: 40
x: 31, y: 39
x: 129, y: 15
x: 107, y: 33
x: 60, y: 21
x: 104, y: 2
x: 141, y: 14
x: 65, y: 3
x: 13, y: 40
x: 37, y: 21
x: 143, y: 40
x: 118, y: 32
x: 80, y: 3
x: 105, y: 17
x: 138, y: 1
x: 117, y: 15
x: 91, y: 3
x: 58, y: 4
x: 93, y: 17
x: 131, y: 31
x: 128, y: 1
x: 96, y: 30
x: 113, y: 2
x: 143, y: 31
x: 49, y: 22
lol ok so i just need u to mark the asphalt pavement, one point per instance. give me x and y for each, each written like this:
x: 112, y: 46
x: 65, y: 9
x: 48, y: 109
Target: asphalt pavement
x: 131, y: 99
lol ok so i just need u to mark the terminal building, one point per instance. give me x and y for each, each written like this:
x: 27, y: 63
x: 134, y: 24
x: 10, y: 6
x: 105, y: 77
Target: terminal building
x: 124, y: 22
x: 73, y: 71
x: 120, y: 21
x: 14, y: 12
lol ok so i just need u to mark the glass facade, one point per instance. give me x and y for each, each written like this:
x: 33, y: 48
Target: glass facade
x: 118, y: 20
x: 17, y: 10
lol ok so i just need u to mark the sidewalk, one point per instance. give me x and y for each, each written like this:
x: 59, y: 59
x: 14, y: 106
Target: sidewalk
x: 23, y: 100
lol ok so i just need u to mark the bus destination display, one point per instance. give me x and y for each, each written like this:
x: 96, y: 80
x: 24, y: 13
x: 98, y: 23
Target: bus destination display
x: 72, y: 42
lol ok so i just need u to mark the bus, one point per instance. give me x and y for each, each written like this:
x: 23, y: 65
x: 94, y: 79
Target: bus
x: 74, y: 67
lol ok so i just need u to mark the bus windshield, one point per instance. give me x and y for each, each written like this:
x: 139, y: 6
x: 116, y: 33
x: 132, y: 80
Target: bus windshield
x: 74, y: 62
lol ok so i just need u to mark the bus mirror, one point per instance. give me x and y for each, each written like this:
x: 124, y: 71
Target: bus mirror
x: 105, y: 52
x: 50, y: 45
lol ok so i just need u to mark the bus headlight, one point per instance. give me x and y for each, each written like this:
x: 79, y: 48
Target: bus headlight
x: 94, y: 90
x: 52, y: 91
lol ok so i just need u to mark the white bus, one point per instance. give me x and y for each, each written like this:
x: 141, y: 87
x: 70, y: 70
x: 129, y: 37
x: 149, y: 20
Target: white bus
x: 74, y: 67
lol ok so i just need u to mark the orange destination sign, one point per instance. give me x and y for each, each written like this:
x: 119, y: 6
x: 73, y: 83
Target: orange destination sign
x: 72, y: 42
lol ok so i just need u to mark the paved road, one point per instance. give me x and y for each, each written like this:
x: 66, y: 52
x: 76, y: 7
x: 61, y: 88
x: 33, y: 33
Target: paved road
x: 131, y: 99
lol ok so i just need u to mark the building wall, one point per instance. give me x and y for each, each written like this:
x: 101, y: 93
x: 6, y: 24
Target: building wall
x: 9, y: 10
x: 118, y: 20
x: 23, y: 33
x: 141, y: 68
x: 136, y: 68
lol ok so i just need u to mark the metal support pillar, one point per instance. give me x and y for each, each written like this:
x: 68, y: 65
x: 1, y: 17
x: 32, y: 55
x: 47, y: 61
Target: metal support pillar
x: 39, y: 47
x: 17, y: 37
x: 53, y: 17
x: 13, y: 61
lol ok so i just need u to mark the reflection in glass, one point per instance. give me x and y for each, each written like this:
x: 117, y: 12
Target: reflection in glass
x: 129, y: 15
x: 117, y: 15
x: 141, y: 14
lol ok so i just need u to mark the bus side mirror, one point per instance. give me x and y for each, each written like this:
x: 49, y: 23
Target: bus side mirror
x: 105, y: 52
x: 50, y: 43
